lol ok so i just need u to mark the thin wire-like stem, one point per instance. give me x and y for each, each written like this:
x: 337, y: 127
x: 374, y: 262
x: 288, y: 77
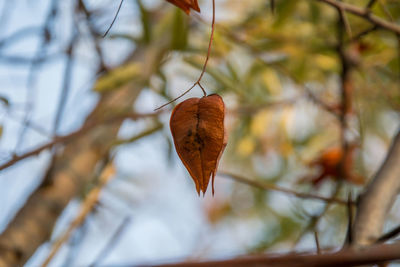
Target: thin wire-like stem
x: 349, y: 235
x: 365, y: 14
x: 317, y: 245
x: 69, y: 137
x: 204, y: 66
x: 173, y: 100
x: 112, y: 242
x: 87, y: 207
x: 209, y: 45
x: 114, y: 19
x: 287, y: 191
x: 346, y: 24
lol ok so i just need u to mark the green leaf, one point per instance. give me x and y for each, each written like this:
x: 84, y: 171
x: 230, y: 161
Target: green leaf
x: 146, y: 27
x: 179, y: 31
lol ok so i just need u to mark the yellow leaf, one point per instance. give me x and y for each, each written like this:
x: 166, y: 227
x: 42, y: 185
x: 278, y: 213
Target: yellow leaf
x: 246, y: 146
x: 259, y: 124
x: 287, y: 118
x: 325, y: 62
x: 117, y: 77
x: 271, y: 80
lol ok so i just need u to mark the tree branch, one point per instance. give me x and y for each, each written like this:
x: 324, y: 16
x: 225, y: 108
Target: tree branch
x: 73, y: 168
x: 86, y: 208
x: 364, y: 13
x: 346, y: 257
x: 378, y: 198
x: 70, y: 137
x: 272, y: 187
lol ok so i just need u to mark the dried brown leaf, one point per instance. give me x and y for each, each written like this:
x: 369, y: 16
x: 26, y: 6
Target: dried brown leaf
x: 186, y: 5
x: 197, y: 127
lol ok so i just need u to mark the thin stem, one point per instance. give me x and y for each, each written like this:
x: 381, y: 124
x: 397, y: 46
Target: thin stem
x: 86, y: 208
x: 349, y: 235
x: 202, y: 88
x: 204, y: 66
x: 346, y: 24
x: 370, y: 3
x: 365, y: 14
x: 112, y: 242
x: 393, y: 233
x: 69, y: 137
x: 173, y: 100
x: 363, y: 33
x: 272, y: 3
x: 114, y: 19
x: 317, y: 242
x: 288, y: 191
x: 209, y: 44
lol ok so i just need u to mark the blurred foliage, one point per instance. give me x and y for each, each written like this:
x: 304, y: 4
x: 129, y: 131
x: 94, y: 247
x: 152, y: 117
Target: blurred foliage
x: 278, y: 72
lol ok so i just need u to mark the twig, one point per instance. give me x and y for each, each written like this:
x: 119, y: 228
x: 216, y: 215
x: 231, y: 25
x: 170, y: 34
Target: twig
x: 346, y: 257
x: 75, y: 244
x: 33, y: 68
x: 114, y: 19
x: 393, y: 233
x: 387, y: 12
x: 272, y: 187
x: 91, y: 200
x: 364, y: 13
x: 66, y: 83
x: 19, y: 34
x: 93, y: 32
x: 331, y: 110
x: 71, y: 136
x: 317, y: 242
x: 111, y: 242
x: 151, y: 130
x: 30, y: 124
x: 204, y: 66
x: 312, y: 224
x: 349, y: 235
x: 86, y: 208
x: 363, y: 33
x: 379, y: 196
x: 346, y: 94
x: 346, y: 24
x: 370, y: 3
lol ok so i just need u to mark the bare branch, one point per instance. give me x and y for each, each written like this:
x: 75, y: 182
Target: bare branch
x: 272, y: 187
x: 378, y: 198
x: 364, y: 13
x: 317, y: 245
x: 393, y: 233
x: 86, y: 208
x: 112, y: 242
x: 73, y: 168
x: 349, y: 234
x: 204, y: 65
x: 346, y: 257
x: 69, y: 137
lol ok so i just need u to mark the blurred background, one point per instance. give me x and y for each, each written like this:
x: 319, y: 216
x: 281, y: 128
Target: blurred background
x: 312, y: 101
